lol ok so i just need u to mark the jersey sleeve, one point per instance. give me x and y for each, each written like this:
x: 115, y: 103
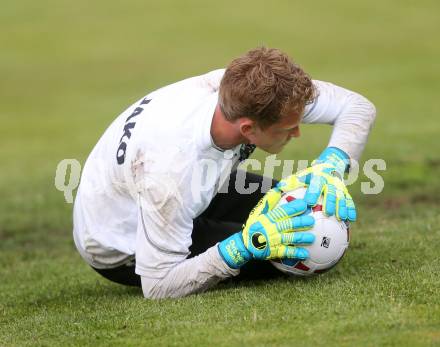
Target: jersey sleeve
x: 351, y: 115
x: 191, y: 276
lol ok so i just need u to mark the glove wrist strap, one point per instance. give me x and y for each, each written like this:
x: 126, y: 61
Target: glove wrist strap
x: 233, y: 251
x: 336, y: 157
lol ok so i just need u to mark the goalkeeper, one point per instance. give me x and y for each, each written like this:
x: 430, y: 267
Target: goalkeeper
x: 152, y: 211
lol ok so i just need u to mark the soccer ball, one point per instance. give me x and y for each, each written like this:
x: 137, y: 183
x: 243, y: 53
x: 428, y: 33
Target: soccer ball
x: 331, y: 241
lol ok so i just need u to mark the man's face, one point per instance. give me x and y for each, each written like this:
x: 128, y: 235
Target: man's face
x: 275, y: 137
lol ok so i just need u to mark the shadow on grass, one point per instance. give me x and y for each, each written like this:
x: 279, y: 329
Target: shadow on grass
x: 250, y: 283
x: 90, y: 292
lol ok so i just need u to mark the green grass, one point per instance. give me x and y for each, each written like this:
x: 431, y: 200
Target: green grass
x: 68, y: 69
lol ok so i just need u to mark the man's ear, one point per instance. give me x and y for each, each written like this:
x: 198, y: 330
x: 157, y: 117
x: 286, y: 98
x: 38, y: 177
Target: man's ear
x: 247, y: 127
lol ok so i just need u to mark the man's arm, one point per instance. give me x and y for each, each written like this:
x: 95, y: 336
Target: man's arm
x: 164, y: 235
x: 191, y: 276
x: 274, y: 234
x: 351, y: 114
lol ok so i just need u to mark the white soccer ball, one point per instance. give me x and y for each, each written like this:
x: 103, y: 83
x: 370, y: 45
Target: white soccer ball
x: 331, y: 241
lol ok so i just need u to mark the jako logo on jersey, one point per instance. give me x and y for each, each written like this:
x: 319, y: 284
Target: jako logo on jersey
x: 129, y: 125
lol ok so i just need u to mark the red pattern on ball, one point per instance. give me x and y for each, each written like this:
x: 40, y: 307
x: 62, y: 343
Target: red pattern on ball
x: 302, y: 266
x: 290, y: 198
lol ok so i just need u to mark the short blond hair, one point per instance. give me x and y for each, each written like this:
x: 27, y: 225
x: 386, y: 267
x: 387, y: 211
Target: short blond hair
x: 264, y: 85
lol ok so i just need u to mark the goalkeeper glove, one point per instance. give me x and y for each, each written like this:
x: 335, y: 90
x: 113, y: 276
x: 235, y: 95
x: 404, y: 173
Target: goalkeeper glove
x: 270, y: 235
x: 325, y: 177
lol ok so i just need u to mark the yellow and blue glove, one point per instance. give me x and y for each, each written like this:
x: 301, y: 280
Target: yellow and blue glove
x: 325, y: 177
x: 272, y: 234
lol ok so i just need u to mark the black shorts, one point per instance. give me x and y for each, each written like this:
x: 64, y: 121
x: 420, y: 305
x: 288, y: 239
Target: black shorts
x: 223, y: 217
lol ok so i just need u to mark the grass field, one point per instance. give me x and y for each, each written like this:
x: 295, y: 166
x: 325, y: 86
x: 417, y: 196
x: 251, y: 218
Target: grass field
x: 68, y: 69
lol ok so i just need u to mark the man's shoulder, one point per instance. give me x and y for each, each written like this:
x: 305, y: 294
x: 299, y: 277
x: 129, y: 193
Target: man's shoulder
x: 208, y: 82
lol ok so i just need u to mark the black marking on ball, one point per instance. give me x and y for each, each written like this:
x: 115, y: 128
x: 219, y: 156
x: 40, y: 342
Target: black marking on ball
x: 325, y: 242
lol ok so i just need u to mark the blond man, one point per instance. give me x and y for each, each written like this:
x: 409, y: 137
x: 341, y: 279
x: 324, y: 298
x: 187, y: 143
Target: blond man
x: 159, y: 206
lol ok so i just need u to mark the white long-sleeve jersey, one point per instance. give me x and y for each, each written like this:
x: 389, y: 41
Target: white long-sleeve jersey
x: 155, y: 169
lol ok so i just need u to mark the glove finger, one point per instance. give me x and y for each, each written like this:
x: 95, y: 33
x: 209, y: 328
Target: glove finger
x: 297, y: 238
x: 287, y: 210
x: 314, y: 190
x: 341, y: 208
x: 289, y: 183
x: 269, y: 201
x: 264, y: 205
x: 292, y: 252
x: 303, y: 222
x: 303, y: 176
x: 351, y: 208
x: 329, y: 203
x: 294, y: 224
